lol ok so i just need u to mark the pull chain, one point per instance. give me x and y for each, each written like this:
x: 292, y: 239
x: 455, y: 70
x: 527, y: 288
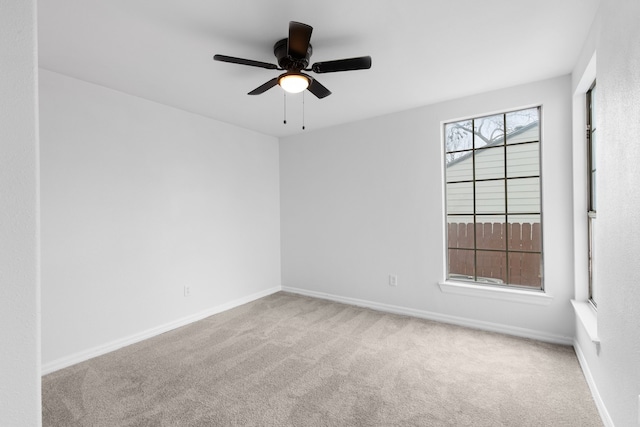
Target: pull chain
x: 302, y: 110
x: 285, y: 107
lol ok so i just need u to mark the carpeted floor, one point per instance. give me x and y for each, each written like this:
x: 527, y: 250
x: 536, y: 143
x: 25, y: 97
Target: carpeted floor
x: 289, y: 360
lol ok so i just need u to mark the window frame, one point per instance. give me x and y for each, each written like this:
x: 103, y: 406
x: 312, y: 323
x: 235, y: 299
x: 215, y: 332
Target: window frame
x: 591, y: 127
x: 474, y: 150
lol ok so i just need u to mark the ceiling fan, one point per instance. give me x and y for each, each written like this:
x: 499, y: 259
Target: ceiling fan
x: 293, y: 55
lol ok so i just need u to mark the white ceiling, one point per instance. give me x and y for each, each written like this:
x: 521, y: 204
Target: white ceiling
x: 423, y: 51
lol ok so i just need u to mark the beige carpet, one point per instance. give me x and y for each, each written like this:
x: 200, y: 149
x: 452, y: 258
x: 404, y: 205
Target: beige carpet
x: 288, y: 360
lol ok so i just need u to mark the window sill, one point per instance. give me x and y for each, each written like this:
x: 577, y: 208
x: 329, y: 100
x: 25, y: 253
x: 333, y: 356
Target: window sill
x: 495, y: 292
x: 588, y: 317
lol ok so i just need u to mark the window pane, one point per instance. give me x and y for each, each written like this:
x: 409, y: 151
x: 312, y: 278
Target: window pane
x: 489, y: 130
x: 592, y: 262
x: 458, y: 136
x: 461, y: 264
x: 523, y: 126
x: 460, y: 234
x: 490, y: 197
x: 593, y: 150
x: 460, y: 166
x: 593, y: 108
x: 490, y: 232
x: 524, y: 236
x: 592, y: 173
x: 490, y: 163
x: 593, y: 192
x: 460, y: 198
x: 461, y: 219
x: 524, y: 269
x: 523, y: 160
x: 491, y: 267
x: 523, y: 195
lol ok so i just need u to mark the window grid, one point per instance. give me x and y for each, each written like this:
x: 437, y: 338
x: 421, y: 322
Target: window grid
x: 506, y: 249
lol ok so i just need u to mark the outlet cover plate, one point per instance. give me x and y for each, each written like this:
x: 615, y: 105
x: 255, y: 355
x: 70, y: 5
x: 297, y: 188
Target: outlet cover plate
x: 393, y: 280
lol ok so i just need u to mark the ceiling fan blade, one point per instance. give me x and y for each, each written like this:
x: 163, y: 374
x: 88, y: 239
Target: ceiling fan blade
x: 360, y: 63
x: 299, y: 38
x: 265, y: 87
x: 241, y: 61
x: 317, y: 89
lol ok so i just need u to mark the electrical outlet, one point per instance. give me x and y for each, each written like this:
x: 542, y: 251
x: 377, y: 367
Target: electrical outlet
x: 187, y: 290
x: 393, y: 280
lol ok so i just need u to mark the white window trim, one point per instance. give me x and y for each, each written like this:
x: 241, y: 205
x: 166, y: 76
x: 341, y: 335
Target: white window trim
x: 580, y: 220
x: 513, y: 294
x: 586, y: 313
x: 588, y: 316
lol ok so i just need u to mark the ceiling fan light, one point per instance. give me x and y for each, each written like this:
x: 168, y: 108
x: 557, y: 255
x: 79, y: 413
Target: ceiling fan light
x: 294, y: 83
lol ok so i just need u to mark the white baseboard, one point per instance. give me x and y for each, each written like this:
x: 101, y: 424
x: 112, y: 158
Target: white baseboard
x: 602, y: 409
x: 81, y: 356
x: 444, y: 318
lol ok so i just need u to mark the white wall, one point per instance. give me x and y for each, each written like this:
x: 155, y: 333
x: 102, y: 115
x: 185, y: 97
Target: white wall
x: 19, y: 287
x: 615, y: 366
x: 365, y: 200
x: 138, y: 200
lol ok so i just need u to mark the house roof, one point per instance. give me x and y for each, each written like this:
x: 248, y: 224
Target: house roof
x: 497, y: 141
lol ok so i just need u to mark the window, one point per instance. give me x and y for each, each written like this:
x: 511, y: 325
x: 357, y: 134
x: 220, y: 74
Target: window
x: 591, y: 186
x: 493, y: 199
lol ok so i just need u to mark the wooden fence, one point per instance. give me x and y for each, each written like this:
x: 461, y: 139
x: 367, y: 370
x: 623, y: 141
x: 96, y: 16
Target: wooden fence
x: 523, y: 265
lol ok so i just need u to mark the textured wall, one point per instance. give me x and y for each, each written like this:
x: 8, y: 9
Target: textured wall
x: 138, y: 200
x: 617, y: 272
x: 19, y: 298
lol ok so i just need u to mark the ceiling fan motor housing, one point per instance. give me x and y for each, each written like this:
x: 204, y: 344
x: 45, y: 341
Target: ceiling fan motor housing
x: 286, y: 62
